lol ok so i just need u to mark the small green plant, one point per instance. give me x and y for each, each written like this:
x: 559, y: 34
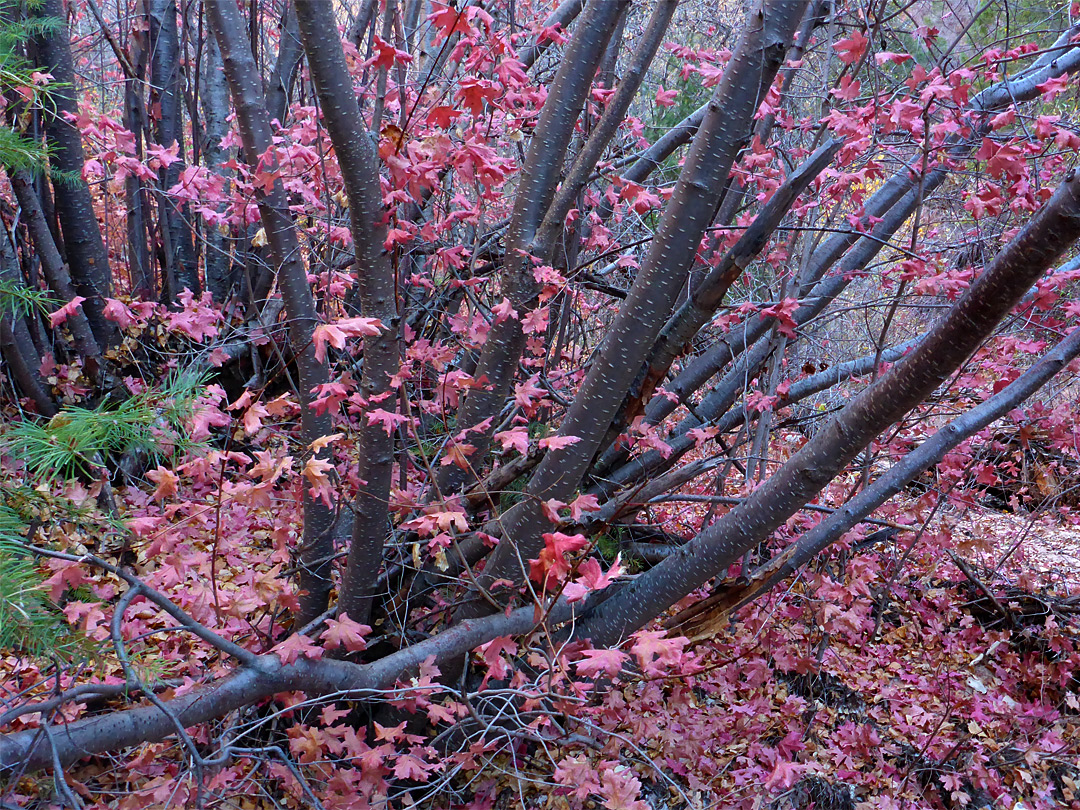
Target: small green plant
x: 18, y: 76
x: 29, y: 622
x: 608, y: 544
x: 513, y: 493
x: 19, y: 300
x: 78, y: 441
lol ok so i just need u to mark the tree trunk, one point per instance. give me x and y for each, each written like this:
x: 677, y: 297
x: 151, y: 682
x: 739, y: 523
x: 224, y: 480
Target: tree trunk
x: 539, y: 177
x: 375, y: 279
x: 253, y: 122
x: 52, y: 265
x: 83, y: 247
x: 214, y: 96
x: 279, y: 87
x: 181, y: 271
x: 140, y: 270
x: 726, y: 127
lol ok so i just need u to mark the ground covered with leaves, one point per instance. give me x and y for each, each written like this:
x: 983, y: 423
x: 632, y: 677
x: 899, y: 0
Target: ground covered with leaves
x: 933, y: 668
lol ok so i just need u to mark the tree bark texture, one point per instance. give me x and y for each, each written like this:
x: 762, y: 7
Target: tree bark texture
x: 83, y: 246
x: 375, y: 279
x: 253, y: 122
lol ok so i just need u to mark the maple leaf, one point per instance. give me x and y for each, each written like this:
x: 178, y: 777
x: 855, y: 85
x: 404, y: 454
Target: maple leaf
x: 579, y: 775
x: 458, y: 454
x: 848, y: 89
x: 197, y: 319
x: 390, y: 734
x: 852, y: 48
x: 528, y: 393
x: 166, y: 481
x: 551, y: 509
x: 329, y: 715
x: 702, y: 435
x: 442, y: 116
x: 389, y: 421
x: 306, y: 743
x: 783, y: 311
x: 335, y: 333
x: 449, y: 21
x: 620, y: 790
x: 439, y: 519
x: 68, y: 575
x: 297, y: 646
x: 344, y: 632
x: 558, y: 442
x: 409, y: 766
x: 318, y: 473
x: 594, y: 662
x: 242, y: 401
x: 516, y: 438
x: 881, y: 57
x: 504, y: 310
x: 324, y: 441
x: 535, y: 321
x: 552, y: 565
x: 784, y: 775
x: 551, y: 33
x: 711, y: 75
x: 498, y: 667
x: 666, y: 98
x: 253, y: 417
x: 591, y: 578
x: 475, y: 93
x: 118, y: 313
x: 656, y: 652
x: 386, y: 55
x: 163, y: 157
x: 65, y: 312
x: 581, y: 504
x: 760, y: 402
x: 1052, y: 88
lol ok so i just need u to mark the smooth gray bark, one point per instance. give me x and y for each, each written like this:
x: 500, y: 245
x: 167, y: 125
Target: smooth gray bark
x: 83, y: 246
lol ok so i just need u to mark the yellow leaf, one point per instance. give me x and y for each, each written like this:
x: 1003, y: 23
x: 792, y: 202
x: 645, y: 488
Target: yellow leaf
x: 323, y: 441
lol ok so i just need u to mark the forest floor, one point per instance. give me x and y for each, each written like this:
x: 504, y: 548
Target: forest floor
x: 949, y: 689
x: 945, y: 689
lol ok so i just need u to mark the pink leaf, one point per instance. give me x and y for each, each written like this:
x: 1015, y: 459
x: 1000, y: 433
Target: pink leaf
x: 344, y: 632
x: 297, y: 646
x: 65, y: 312
x: 558, y: 442
x: 594, y: 662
